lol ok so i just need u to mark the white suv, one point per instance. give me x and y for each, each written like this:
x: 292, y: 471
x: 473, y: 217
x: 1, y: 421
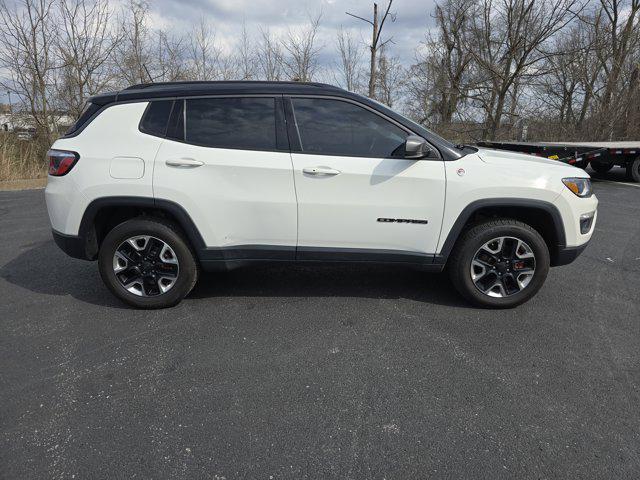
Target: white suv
x: 159, y: 181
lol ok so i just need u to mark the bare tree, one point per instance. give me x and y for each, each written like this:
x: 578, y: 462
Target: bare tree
x: 620, y: 32
x: 390, y: 78
x: 301, y: 59
x: 439, y: 80
x: 377, y: 25
x: 563, y: 85
x: 170, y: 59
x: 348, y: 69
x: 27, y: 32
x: 204, y: 53
x: 590, y: 81
x: 246, y: 58
x: 270, y: 56
x: 508, y: 41
x: 133, y: 53
x: 84, y: 44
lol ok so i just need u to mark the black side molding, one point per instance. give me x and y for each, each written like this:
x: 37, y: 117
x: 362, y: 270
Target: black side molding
x: 323, y: 254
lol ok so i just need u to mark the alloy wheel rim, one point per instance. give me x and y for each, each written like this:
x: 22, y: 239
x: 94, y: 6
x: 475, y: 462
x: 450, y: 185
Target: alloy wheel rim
x: 502, y: 267
x: 146, y: 266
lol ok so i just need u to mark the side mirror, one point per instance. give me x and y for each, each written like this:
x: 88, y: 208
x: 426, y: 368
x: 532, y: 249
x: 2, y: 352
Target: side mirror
x: 416, y: 147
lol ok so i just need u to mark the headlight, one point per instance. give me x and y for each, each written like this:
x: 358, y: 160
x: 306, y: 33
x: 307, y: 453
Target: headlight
x: 580, y: 186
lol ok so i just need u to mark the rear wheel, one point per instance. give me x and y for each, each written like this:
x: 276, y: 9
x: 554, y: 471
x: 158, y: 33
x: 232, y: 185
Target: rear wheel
x: 499, y: 264
x: 147, y: 263
x: 633, y: 170
x: 601, y: 168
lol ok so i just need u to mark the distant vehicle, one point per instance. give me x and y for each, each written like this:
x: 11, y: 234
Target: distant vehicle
x: 159, y: 181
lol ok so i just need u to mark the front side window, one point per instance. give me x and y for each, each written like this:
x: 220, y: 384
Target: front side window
x: 334, y: 127
x: 244, y: 123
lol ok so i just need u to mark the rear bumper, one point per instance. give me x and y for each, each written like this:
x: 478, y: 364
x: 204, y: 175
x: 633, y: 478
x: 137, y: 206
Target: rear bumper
x: 73, y: 245
x: 566, y: 255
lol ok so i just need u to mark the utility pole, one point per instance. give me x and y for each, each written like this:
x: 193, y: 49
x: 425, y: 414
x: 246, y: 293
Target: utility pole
x: 10, y: 107
x: 376, y: 27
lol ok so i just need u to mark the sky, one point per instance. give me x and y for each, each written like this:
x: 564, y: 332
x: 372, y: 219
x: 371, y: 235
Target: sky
x: 413, y: 18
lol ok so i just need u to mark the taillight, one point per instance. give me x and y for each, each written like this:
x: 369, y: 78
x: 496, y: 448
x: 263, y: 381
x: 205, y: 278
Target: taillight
x: 61, y: 162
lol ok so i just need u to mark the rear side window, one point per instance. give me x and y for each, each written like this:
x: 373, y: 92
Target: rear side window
x: 244, y: 123
x: 156, y: 117
x: 89, y: 110
x: 334, y: 127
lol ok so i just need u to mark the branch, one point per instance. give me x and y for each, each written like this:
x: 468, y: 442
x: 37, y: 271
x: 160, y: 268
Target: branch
x: 360, y: 18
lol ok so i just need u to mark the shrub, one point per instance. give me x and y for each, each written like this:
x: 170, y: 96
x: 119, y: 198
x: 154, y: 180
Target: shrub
x: 21, y: 158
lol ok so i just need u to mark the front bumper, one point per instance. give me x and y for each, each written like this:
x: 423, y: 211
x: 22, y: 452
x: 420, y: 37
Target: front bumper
x: 565, y: 255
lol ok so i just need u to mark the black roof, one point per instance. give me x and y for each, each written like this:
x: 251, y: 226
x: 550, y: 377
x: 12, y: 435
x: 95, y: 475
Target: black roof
x: 146, y: 91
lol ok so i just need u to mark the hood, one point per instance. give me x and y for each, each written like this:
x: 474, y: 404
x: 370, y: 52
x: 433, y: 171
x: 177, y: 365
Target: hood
x: 508, y: 158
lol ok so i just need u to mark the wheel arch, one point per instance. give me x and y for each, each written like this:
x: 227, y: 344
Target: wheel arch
x: 104, y: 213
x: 543, y: 216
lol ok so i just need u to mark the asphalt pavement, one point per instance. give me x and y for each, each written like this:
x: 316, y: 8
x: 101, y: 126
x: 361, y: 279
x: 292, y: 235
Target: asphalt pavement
x: 330, y: 372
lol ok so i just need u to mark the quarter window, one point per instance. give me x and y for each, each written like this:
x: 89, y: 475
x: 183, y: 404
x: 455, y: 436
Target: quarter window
x: 156, y: 117
x: 245, y: 123
x: 334, y: 127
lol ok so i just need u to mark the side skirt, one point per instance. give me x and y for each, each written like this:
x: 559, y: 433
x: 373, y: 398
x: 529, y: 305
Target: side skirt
x: 216, y: 259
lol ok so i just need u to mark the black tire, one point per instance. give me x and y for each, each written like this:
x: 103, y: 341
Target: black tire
x: 460, y: 261
x: 601, y: 168
x: 633, y: 170
x: 164, y: 231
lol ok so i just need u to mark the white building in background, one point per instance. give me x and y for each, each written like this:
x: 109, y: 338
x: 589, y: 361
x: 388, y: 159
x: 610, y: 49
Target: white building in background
x: 21, y: 122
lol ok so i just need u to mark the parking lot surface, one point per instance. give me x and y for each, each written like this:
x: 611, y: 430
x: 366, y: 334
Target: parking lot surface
x: 331, y: 372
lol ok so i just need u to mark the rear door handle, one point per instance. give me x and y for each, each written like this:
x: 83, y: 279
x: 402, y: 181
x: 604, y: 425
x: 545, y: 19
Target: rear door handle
x: 320, y: 171
x: 184, y: 163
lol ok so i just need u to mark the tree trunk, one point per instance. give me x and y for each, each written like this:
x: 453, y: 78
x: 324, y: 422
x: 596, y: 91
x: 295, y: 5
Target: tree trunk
x: 372, y: 74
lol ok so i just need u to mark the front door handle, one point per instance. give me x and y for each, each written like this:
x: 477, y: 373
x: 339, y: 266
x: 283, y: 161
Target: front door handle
x: 320, y: 171
x: 184, y: 163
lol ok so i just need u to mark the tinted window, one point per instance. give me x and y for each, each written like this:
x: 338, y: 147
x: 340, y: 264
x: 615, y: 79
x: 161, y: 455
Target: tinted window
x: 176, y: 121
x: 248, y: 123
x: 156, y: 117
x: 333, y: 127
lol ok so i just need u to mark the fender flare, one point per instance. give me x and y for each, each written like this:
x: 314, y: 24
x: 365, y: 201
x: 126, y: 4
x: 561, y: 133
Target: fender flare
x: 473, y: 207
x: 185, y: 222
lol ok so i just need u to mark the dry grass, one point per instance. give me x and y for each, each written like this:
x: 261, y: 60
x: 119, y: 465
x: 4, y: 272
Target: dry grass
x: 21, y: 159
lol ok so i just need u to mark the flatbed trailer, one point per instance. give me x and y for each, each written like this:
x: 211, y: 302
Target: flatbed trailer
x: 602, y: 156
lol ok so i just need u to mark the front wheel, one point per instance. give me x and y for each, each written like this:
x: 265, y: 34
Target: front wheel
x: 499, y: 263
x: 147, y: 263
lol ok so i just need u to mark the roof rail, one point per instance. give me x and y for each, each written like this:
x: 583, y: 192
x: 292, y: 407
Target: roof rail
x: 140, y: 86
